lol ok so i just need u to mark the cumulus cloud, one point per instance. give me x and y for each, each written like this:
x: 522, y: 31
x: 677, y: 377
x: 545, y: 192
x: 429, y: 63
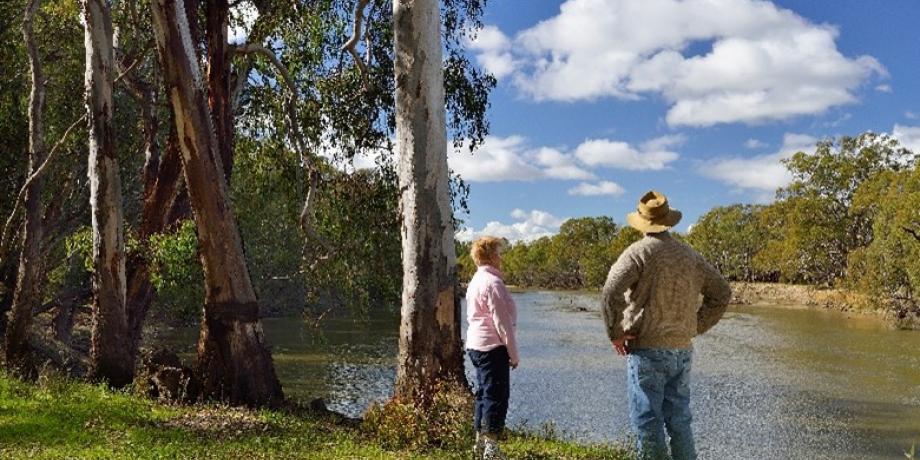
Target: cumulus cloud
x: 908, y: 136
x: 497, y: 159
x: 759, y: 62
x: 493, y: 51
x: 652, y: 155
x: 762, y: 174
x: 513, y: 159
x: 598, y: 189
x: 527, y: 226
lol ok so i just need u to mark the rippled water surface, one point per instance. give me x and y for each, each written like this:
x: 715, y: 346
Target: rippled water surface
x: 768, y: 383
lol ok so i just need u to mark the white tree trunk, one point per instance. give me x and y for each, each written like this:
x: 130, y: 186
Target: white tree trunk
x: 28, y: 278
x: 110, y: 359
x: 429, y: 342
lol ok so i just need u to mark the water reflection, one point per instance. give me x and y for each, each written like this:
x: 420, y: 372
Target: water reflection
x: 768, y: 383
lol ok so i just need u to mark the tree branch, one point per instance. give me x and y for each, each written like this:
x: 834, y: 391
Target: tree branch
x: 38, y: 172
x: 352, y: 43
x: 296, y: 137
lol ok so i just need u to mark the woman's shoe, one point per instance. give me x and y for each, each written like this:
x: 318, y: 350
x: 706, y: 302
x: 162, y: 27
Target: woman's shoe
x: 490, y: 450
x: 478, y: 447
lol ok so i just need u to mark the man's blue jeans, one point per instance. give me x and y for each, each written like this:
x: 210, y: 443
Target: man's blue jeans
x: 659, y: 399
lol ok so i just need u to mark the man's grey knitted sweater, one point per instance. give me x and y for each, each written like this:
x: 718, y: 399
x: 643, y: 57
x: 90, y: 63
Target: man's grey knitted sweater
x: 662, y: 280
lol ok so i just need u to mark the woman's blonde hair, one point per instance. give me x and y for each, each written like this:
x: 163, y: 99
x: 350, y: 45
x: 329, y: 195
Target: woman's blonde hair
x: 486, y: 249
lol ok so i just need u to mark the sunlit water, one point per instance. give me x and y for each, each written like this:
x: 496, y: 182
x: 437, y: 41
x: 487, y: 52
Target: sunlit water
x: 768, y: 383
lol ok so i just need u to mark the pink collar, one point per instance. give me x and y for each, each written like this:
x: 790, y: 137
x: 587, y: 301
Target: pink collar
x: 492, y: 270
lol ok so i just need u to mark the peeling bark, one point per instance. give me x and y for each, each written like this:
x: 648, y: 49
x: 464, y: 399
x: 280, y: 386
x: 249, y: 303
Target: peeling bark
x: 429, y: 337
x: 234, y: 363
x: 110, y: 360
x: 28, y: 280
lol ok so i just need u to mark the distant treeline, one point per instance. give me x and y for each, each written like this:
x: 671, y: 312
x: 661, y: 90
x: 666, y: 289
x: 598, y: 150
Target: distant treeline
x: 849, y: 218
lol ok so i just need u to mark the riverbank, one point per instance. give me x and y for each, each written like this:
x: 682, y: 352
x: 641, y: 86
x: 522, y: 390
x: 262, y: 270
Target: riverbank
x: 60, y: 418
x: 810, y: 297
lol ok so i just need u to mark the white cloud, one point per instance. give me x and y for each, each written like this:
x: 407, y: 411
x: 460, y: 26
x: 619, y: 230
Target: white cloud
x: 528, y: 226
x: 762, y: 174
x: 754, y: 144
x: 512, y: 159
x: 598, y: 189
x: 884, y: 88
x: 911, y: 115
x: 761, y: 62
x: 908, y: 136
x: 497, y: 159
x: 652, y: 155
x: 493, y: 51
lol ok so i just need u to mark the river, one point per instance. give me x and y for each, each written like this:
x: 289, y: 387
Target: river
x: 768, y: 382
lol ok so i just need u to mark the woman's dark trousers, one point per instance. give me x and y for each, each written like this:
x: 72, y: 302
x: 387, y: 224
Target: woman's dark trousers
x: 493, y: 388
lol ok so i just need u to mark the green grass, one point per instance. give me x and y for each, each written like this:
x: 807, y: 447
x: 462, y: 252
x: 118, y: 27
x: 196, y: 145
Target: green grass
x: 59, y: 418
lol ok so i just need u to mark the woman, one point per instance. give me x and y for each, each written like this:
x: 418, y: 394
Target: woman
x: 490, y: 342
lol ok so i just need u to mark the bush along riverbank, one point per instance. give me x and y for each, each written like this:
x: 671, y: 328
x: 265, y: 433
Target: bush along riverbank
x: 842, y: 300
x: 58, y: 418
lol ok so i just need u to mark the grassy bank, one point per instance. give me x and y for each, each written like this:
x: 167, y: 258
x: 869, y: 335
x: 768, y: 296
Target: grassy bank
x: 58, y: 418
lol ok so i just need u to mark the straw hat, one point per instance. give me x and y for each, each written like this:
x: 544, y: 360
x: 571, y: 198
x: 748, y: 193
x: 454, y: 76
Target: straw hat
x: 653, y: 215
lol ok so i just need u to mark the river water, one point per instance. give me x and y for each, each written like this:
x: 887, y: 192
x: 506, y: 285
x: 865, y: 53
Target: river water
x: 768, y: 383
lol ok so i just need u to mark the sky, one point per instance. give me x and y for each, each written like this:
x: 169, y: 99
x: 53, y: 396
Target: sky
x: 599, y: 101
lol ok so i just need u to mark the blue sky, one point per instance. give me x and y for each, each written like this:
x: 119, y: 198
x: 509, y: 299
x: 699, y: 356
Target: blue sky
x: 599, y: 101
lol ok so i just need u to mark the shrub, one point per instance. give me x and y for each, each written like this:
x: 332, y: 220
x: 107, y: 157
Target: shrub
x: 440, y: 421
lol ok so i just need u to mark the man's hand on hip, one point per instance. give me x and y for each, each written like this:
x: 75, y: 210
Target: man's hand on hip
x: 620, y: 346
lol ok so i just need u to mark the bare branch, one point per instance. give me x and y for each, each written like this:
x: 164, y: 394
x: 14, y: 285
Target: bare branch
x: 352, y: 43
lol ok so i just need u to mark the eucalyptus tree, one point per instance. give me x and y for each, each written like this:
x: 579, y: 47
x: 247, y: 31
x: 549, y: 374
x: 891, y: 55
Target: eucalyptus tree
x: 233, y: 360
x: 26, y: 293
x: 110, y: 357
x: 429, y: 333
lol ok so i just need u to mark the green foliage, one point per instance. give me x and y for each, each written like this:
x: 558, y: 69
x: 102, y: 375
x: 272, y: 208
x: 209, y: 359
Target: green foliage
x: 465, y: 265
x: 578, y: 257
x: 355, y: 259
x: 888, y: 267
x: 812, y: 228
x: 729, y: 238
x: 175, y: 271
x: 848, y: 218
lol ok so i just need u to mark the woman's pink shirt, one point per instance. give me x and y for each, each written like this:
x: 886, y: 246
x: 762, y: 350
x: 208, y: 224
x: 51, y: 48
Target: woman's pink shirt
x: 490, y: 312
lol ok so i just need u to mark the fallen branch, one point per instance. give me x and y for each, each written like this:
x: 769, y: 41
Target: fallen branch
x: 912, y: 232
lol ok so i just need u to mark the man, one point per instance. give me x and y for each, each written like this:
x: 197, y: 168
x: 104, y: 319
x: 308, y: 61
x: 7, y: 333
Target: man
x: 652, y: 311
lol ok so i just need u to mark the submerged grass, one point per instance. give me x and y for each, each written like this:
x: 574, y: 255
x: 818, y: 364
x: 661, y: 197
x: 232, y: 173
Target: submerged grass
x: 59, y: 418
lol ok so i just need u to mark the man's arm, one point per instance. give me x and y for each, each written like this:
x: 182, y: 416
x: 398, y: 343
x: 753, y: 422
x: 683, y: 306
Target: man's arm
x: 623, y: 275
x: 716, y: 295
